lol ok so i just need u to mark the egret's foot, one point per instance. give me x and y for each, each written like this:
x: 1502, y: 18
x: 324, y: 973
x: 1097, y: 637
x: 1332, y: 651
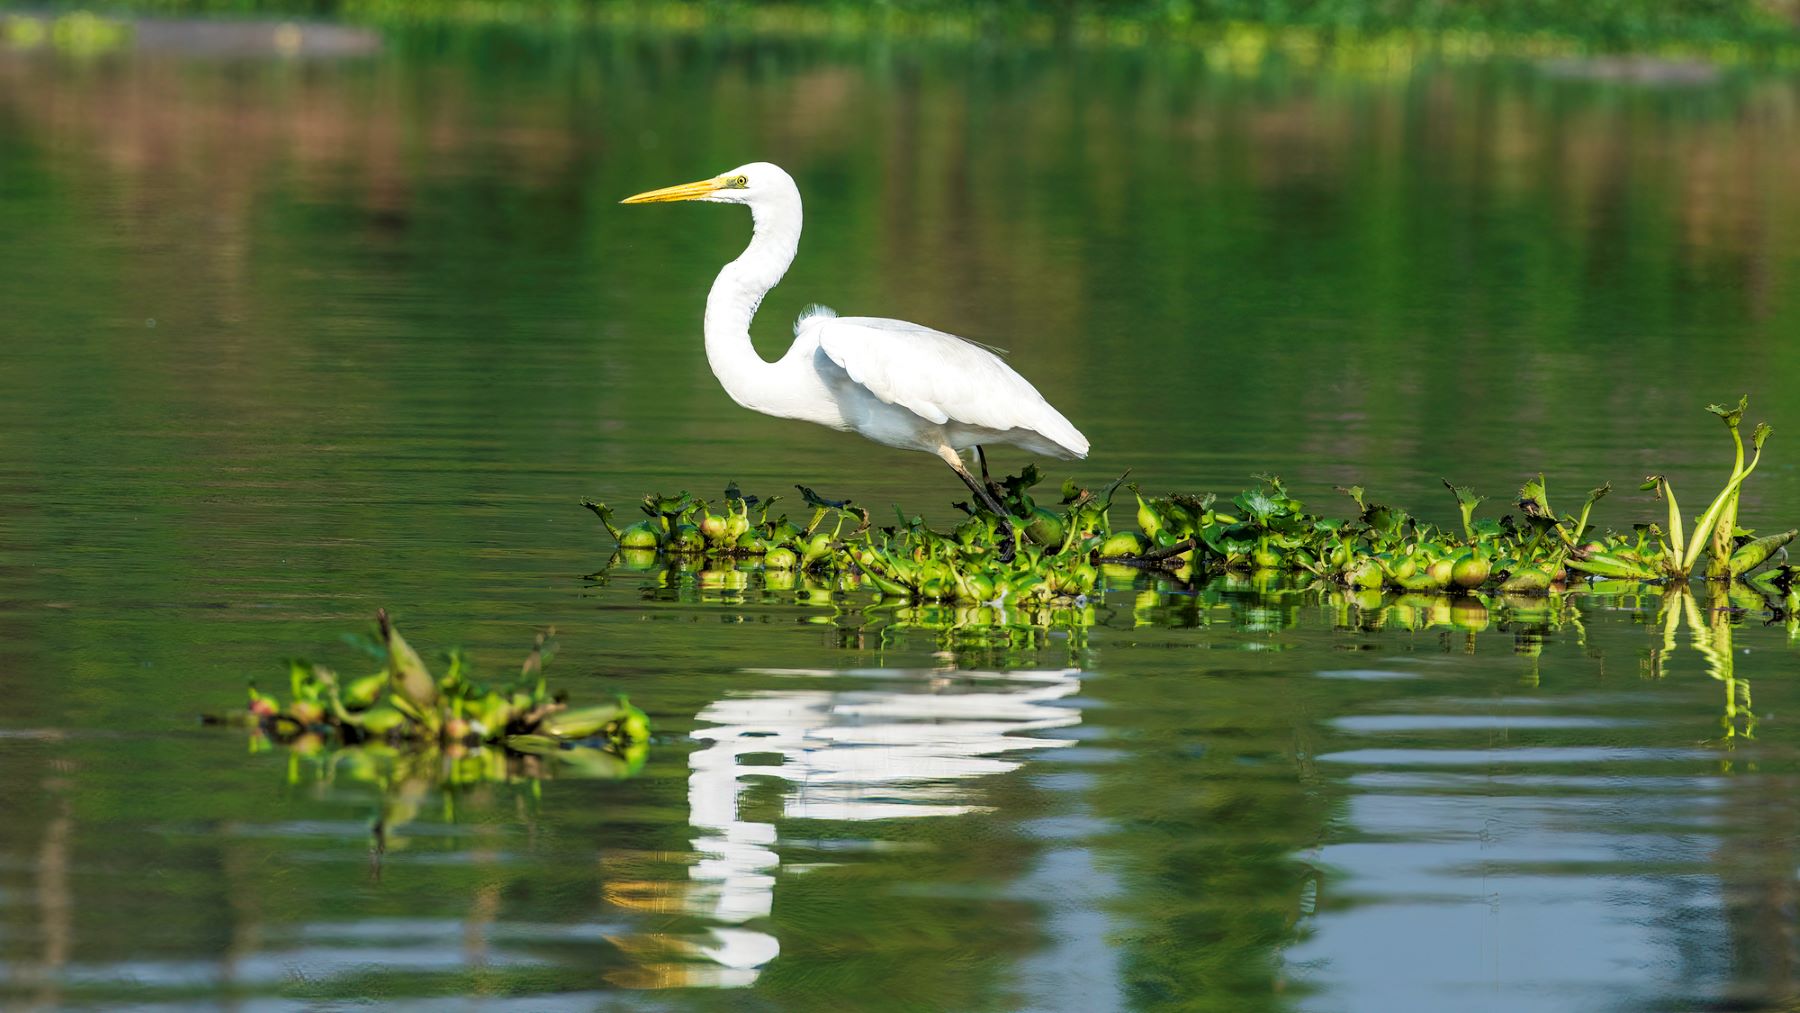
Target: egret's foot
x: 1009, y: 540
x: 814, y: 499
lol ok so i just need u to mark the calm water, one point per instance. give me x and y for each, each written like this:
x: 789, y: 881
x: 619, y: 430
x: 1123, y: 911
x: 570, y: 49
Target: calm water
x: 288, y: 340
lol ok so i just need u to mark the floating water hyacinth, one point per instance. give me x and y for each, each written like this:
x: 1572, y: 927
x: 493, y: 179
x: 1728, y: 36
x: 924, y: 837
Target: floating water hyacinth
x: 405, y: 707
x: 1536, y: 551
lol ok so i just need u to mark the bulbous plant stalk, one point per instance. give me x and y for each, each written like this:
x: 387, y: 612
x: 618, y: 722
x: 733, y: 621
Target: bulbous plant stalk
x: 1717, y: 527
x: 1719, y: 566
x: 1726, y: 501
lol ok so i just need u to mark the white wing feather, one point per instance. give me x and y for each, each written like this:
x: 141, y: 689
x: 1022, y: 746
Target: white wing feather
x: 939, y: 377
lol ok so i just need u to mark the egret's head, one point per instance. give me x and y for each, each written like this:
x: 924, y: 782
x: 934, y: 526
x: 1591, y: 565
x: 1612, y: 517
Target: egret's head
x: 758, y: 182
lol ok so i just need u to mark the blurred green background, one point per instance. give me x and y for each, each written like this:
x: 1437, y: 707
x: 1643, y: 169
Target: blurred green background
x: 307, y: 315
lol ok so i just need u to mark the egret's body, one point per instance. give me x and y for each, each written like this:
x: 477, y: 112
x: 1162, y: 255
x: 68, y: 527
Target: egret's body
x: 895, y: 382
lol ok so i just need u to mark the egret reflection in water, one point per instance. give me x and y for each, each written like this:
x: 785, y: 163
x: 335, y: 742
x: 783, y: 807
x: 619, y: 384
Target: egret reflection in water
x: 904, y: 750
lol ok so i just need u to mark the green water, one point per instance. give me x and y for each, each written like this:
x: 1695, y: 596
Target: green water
x: 286, y: 341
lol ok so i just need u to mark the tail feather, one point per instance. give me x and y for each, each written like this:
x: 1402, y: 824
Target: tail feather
x: 1060, y: 431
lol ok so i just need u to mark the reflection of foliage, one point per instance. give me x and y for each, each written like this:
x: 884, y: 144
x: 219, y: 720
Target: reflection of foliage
x: 406, y: 776
x: 1213, y: 815
x: 1260, y: 602
x: 1710, y: 631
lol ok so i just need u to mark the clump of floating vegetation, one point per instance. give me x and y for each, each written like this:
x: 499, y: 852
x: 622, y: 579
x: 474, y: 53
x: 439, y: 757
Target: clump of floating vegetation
x: 1058, y: 555
x: 405, y: 709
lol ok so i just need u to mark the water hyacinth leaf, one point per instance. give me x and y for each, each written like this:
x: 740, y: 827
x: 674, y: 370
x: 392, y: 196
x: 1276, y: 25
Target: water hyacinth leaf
x: 1594, y: 496
x: 1017, y: 486
x: 362, y: 692
x: 635, y: 725
x: 1257, y: 505
x: 452, y: 682
x: 381, y: 720
x: 300, y: 680
x: 657, y: 505
x: 490, y: 710
x: 1731, y: 416
x: 1387, y: 522
x: 1677, y: 539
x: 604, y: 512
x: 532, y: 744
x: 1755, y: 553
x: 411, y: 680
x: 1534, y: 499
x: 1602, y: 565
x: 1466, y: 502
x: 581, y: 722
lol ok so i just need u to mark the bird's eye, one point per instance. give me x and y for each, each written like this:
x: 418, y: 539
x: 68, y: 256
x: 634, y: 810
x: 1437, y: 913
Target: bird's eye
x: 737, y: 182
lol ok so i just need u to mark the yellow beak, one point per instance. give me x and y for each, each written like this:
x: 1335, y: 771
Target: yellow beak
x: 682, y: 191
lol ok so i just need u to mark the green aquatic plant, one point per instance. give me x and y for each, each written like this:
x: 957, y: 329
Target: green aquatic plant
x: 404, y: 706
x: 1673, y: 553
x: 973, y: 563
x: 407, y: 737
x: 1263, y: 529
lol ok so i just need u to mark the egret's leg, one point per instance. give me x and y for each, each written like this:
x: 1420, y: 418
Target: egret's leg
x: 981, y: 493
x: 987, y: 499
x: 981, y: 455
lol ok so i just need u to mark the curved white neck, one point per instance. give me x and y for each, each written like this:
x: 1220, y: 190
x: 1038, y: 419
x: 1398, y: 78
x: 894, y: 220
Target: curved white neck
x: 737, y: 292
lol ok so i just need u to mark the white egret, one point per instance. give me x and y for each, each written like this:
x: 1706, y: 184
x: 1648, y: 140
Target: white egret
x: 895, y: 382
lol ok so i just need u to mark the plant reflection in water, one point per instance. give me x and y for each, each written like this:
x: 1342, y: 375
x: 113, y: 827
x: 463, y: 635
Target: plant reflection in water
x: 1710, y: 632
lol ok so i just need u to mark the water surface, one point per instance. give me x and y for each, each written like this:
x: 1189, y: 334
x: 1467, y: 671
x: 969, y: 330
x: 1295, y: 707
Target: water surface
x: 289, y: 340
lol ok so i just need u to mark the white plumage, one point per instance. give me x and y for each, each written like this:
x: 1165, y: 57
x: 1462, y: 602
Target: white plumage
x: 895, y: 382
x: 945, y: 381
